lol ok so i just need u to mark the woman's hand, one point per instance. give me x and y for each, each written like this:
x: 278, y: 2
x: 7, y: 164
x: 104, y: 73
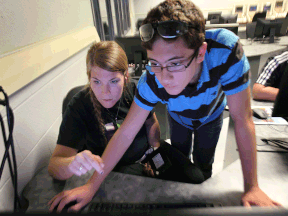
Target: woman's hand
x: 83, y: 195
x: 85, y: 161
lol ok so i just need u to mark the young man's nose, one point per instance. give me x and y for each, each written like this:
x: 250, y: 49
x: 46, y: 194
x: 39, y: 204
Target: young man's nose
x: 166, y: 76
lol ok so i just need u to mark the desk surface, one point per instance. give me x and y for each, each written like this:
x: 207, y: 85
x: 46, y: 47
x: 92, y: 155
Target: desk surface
x: 257, y: 48
x: 222, y: 25
x: 226, y: 187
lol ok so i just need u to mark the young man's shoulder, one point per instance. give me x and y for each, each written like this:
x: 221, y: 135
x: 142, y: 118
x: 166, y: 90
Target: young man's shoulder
x: 221, y: 38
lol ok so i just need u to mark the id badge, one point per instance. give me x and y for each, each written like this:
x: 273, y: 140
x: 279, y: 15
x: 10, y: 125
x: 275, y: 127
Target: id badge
x: 109, y: 126
x: 109, y: 131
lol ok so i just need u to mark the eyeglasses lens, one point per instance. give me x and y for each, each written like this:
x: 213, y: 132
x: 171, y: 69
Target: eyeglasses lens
x: 171, y: 29
x: 146, y: 32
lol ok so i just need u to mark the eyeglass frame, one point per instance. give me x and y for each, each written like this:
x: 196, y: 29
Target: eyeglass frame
x: 185, y: 66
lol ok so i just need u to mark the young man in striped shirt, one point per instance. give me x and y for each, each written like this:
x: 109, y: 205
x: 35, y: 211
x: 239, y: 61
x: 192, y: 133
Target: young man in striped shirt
x: 268, y: 82
x: 195, y: 75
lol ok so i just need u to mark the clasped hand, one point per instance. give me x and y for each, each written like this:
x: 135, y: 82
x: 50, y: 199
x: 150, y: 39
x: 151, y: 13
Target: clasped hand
x: 86, y: 161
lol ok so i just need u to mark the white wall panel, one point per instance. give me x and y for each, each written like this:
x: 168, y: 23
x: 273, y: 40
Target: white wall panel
x: 7, y: 196
x: 33, y: 118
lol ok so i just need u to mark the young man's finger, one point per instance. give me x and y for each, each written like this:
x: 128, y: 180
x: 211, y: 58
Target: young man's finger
x: 55, y: 203
x: 246, y: 204
x: 276, y: 203
x: 76, y: 207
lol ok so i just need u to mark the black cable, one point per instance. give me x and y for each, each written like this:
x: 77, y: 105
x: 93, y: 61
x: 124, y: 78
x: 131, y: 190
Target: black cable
x: 280, y: 143
x: 8, y: 143
x: 276, y: 144
x: 6, y: 154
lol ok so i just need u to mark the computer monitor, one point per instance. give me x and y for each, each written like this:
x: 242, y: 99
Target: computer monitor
x: 259, y: 15
x: 214, y: 15
x: 279, y: 4
x: 267, y: 8
x: 136, y: 54
x: 232, y: 27
x: 231, y: 18
x: 281, y: 103
x: 239, y: 9
x: 268, y: 29
x: 279, y: 7
x: 252, y: 8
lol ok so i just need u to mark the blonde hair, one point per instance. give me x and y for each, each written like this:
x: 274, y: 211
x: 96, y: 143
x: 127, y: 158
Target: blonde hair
x: 109, y: 56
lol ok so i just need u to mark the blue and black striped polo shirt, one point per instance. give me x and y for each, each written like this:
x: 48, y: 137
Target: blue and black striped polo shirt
x: 225, y: 71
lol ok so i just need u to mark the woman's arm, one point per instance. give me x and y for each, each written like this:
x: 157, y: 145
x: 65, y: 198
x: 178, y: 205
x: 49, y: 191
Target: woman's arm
x: 261, y: 92
x: 65, y: 162
x: 59, y: 162
x: 153, y: 131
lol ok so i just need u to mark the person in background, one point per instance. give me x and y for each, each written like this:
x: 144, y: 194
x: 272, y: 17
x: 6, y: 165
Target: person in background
x: 268, y: 82
x: 93, y: 115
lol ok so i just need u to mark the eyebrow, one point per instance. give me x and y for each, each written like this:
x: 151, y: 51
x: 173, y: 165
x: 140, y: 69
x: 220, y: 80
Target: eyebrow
x: 173, y: 58
x: 109, y: 80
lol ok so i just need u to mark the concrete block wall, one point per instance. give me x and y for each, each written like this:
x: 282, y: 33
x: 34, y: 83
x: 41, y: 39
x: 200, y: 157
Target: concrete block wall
x: 37, y: 110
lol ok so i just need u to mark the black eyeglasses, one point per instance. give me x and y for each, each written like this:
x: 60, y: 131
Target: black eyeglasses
x: 166, y: 29
x: 172, y: 68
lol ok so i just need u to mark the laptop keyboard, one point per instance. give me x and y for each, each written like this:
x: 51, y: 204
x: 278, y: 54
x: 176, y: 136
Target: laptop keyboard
x: 108, y: 207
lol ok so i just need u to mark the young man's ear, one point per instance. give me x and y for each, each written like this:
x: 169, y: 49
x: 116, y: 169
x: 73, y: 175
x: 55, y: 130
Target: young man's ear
x: 201, y: 53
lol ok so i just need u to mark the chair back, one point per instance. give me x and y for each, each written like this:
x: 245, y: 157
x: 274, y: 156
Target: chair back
x: 250, y: 29
x: 69, y: 96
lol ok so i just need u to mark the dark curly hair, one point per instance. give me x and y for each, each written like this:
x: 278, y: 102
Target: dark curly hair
x: 180, y: 10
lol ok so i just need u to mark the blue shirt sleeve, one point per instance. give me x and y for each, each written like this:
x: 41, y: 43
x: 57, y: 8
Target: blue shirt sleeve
x: 145, y: 97
x: 237, y: 77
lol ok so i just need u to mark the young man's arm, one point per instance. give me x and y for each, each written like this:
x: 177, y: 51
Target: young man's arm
x: 240, y: 110
x: 261, y: 92
x: 120, y: 141
x: 153, y: 131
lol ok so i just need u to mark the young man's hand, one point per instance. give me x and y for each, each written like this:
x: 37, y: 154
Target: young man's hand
x: 256, y: 197
x: 82, y: 195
